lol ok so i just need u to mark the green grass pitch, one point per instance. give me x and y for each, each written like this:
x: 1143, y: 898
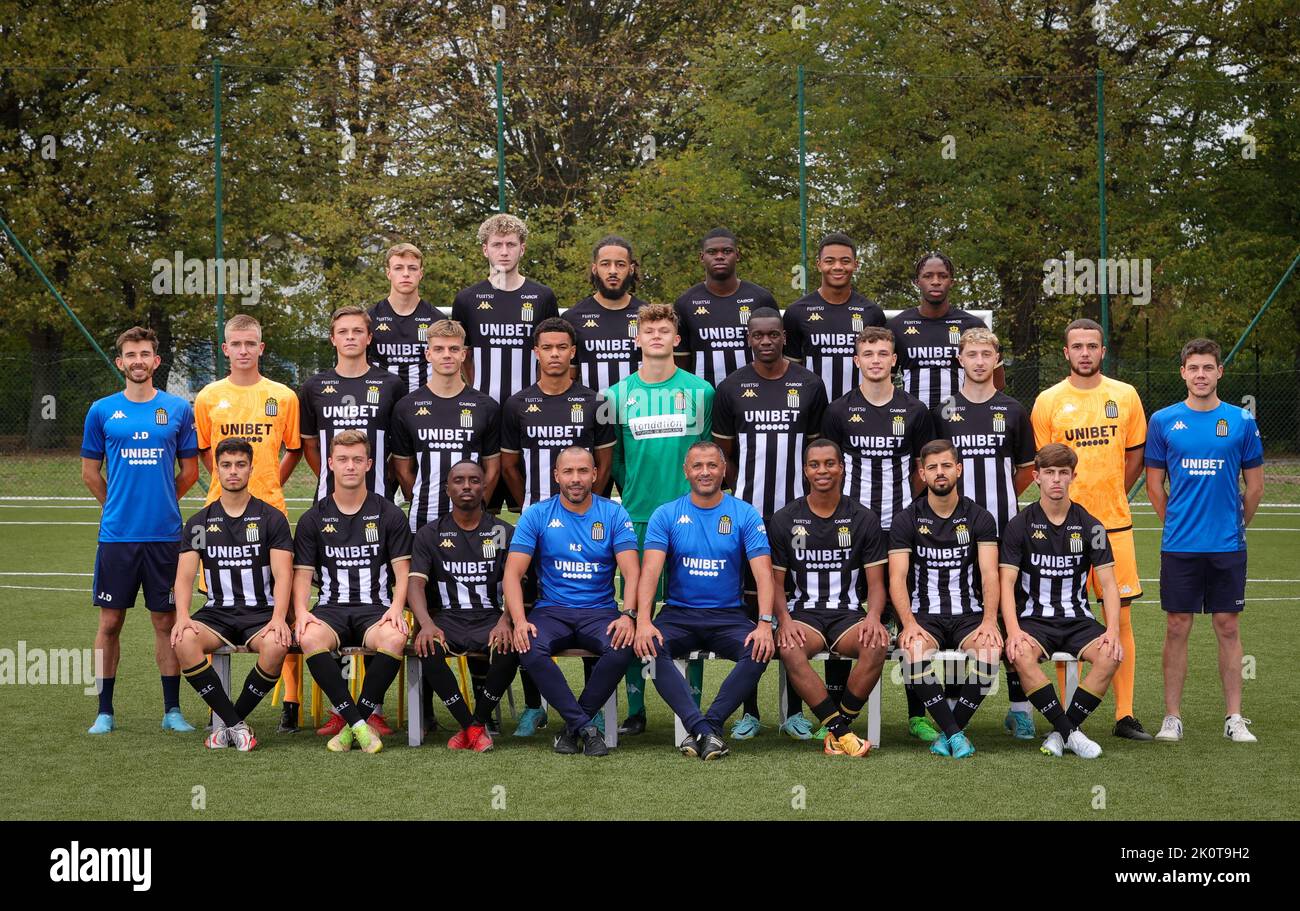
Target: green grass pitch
x: 52, y: 769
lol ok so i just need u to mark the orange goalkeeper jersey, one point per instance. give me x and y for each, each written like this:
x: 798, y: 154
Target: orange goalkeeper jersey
x: 265, y: 414
x: 1100, y: 425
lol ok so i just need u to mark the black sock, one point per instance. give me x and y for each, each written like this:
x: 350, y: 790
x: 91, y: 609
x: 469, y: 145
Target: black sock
x: 837, y: 677
x: 256, y: 685
x: 793, y: 702
x: 171, y: 687
x: 751, y: 703
x: 106, y: 685
x: 501, y: 671
x: 1082, y: 704
x: 532, y: 695
x: 325, y: 671
x: 444, y: 683
x: 971, y: 693
x: 851, y: 705
x: 203, y: 677
x: 915, y: 705
x: 381, y: 671
x: 478, y: 671
x: 928, y: 689
x: 426, y: 699
x: 1015, y: 692
x: 831, y: 717
x: 1044, y: 699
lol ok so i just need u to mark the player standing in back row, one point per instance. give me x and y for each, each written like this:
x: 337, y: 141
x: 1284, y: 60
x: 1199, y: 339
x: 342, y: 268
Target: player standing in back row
x: 713, y: 314
x: 399, y: 323
x: 1102, y: 420
x: 606, y: 321
x: 820, y: 327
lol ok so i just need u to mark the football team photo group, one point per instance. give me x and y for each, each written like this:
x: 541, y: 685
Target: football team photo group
x: 836, y: 497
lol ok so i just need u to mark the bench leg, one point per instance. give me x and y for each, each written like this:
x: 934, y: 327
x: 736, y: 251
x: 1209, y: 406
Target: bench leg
x: 611, y: 720
x: 414, y: 704
x: 679, y: 730
x: 873, y: 715
x: 1071, y: 681
x: 221, y: 664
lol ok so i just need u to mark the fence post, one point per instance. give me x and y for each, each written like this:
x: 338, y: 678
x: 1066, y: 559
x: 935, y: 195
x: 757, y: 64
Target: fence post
x: 501, y: 138
x: 221, y: 297
x: 1107, y: 362
x: 803, y: 188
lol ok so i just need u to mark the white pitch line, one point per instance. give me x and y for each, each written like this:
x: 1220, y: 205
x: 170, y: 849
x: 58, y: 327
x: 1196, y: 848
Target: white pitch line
x: 1248, y: 600
x: 46, y: 574
x: 49, y: 523
x: 38, y: 588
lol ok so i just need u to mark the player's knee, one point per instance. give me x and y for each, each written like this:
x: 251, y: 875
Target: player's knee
x: 271, y: 652
x: 1178, y: 626
x: 390, y: 639
x: 111, y: 621
x: 1226, y: 626
x: 163, y: 622
x: 188, y: 652
x: 316, y: 639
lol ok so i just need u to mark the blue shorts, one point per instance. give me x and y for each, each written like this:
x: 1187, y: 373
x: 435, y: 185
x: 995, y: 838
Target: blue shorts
x: 122, y: 568
x: 721, y: 630
x: 1203, y: 583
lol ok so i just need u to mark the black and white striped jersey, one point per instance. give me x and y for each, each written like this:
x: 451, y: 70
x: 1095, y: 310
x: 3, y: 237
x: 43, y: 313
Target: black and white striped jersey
x: 769, y: 420
x: 824, y: 559
x: 499, y: 332
x: 714, y: 330
x: 235, y: 552
x: 881, y: 448
x: 944, y: 576
x: 398, y: 343
x: 352, y: 555
x: 539, y: 427
x: 463, y: 568
x: 437, y: 433
x: 927, y: 352
x: 993, y: 439
x: 822, y: 336
x: 329, y: 403
x: 607, y: 351
x: 1054, y: 561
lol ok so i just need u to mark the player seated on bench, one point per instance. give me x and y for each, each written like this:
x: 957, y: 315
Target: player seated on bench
x: 457, y: 566
x: 943, y: 569
x: 828, y: 554
x: 359, y: 545
x: 245, y: 550
x: 1047, y: 550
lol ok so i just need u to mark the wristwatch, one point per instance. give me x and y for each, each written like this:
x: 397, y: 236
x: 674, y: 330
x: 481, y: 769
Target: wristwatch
x: 629, y: 613
x: 768, y: 618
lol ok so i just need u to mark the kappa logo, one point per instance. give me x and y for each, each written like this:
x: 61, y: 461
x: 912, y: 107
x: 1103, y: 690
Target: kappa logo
x: 1068, y: 408
x: 533, y: 409
x: 486, y: 305
x: 1126, y: 589
x: 422, y: 411
x: 329, y: 389
x: 855, y: 419
x: 223, y: 404
x: 956, y: 416
x: 1038, y: 535
x: 447, y: 543
x: 749, y: 394
x: 701, y: 311
x: 329, y: 528
x: 1179, y: 425
x: 555, y: 523
x: 814, y: 317
x: 214, y: 527
x: 923, y: 529
x: 383, y: 327
x: 911, y: 330
x: 590, y: 324
x: 115, y: 415
x: 684, y: 520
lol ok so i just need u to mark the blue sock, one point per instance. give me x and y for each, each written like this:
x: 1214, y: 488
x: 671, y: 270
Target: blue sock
x: 106, y: 695
x: 171, y: 692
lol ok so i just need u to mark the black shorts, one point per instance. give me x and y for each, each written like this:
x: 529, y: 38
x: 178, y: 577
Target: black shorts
x: 501, y: 498
x: 234, y: 625
x: 831, y: 625
x: 122, y: 568
x: 1065, y: 635
x: 349, y: 622
x: 467, y: 630
x: 949, y: 631
x: 1203, y: 583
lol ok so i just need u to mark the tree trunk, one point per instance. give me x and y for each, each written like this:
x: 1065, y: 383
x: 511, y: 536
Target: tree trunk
x: 47, y: 370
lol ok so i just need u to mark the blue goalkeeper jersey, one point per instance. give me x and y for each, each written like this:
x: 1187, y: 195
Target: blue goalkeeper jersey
x: 707, y: 549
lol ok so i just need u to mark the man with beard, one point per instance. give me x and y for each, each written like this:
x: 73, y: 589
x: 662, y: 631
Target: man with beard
x: 1102, y: 420
x: 828, y: 553
x: 713, y: 314
x: 763, y: 413
x: 141, y: 433
x: 820, y: 327
x: 606, y: 322
x: 943, y: 580
x: 576, y: 540
x: 705, y: 538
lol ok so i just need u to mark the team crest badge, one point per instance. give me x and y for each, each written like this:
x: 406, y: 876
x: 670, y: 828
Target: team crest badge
x: 422, y: 411
x: 857, y: 322
x: 251, y: 533
x: 898, y: 426
x: 792, y: 398
x: 844, y: 539
x: 701, y: 311
x: 1076, y: 543
x: 631, y: 328
x: 329, y: 389
x: 954, y: 335
x: 679, y: 401
x: 1221, y: 428
x: 160, y: 417
x: 963, y: 533
x: 372, y: 395
x: 466, y: 418
x: 1112, y: 410
x: 999, y: 422
x: 1038, y: 535
x: 329, y: 528
x: 576, y: 413
x: 489, y: 548
x: 422, y: 332
x: 447, y: 543
x: 589, y: 324
x: 526, y: 312
x: 272, y: 408
x: 598, y: 531
x: 372, y: 532
x: 749, y: 394
x: 724, y: 525
x: 744, y: 316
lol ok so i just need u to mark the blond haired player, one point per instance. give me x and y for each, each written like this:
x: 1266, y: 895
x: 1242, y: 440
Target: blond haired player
x: 1102, y: 420
x: 265, y: 413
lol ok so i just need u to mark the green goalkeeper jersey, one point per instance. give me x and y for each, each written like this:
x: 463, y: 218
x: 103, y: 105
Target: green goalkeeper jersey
x: 655, y: 424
